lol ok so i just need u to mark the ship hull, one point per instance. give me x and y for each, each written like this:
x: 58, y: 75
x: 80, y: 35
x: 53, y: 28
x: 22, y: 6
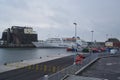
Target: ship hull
x: 49, y: 45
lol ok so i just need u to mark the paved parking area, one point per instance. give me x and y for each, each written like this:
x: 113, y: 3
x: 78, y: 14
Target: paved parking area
x: 73, y: 77
x: 107, y: 68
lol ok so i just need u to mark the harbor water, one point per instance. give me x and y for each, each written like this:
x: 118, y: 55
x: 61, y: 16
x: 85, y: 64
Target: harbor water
x: 10, y: 55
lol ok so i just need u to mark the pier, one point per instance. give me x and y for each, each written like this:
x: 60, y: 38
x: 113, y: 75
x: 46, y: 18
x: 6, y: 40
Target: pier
x: 34, y: 69
x: 102, y: 67
x: 61, y: 68
x: 18, y: 46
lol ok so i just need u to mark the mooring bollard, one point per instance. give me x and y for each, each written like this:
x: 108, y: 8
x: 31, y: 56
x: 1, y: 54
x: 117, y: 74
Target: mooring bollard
x: 45, y: 77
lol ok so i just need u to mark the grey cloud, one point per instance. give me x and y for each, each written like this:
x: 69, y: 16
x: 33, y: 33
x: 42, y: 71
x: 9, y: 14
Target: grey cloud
x: 56, y: 17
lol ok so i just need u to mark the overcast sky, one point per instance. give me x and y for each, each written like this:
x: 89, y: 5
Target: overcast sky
x: 55, y: 18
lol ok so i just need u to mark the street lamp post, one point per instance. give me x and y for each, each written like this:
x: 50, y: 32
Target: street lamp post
x: 75, y: 30
x: 75, y: 40
x: 106, y: 36
x: 92, y: 36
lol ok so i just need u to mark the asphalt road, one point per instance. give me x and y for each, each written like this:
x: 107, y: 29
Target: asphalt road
x: 34, y: 72
x: 107, y: 68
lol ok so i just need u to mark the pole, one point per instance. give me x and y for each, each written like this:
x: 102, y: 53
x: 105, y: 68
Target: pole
x: 106, y: 36
x: 92, y: 36
x: 76, y: 41
x: 75, y: 30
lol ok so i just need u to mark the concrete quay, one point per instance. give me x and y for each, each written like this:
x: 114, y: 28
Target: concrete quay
x: 106, y: 68
x: 74, y: 77
x: 24, y: 63
x: 34, y: 69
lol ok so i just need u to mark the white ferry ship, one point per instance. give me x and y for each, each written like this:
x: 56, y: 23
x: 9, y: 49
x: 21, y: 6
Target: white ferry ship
x: 60, y: 43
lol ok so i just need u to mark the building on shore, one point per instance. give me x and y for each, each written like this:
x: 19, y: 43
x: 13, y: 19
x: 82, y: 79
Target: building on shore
x: 96, y: 44
x: 112, y: 42
x: 20, y: 36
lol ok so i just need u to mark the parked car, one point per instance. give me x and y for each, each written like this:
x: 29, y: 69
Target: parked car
x: 102, y: 49
x: 113, y: 51
x: 94, y: 50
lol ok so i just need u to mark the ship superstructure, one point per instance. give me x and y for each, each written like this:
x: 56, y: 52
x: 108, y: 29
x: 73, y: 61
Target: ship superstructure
x: 60, y: 43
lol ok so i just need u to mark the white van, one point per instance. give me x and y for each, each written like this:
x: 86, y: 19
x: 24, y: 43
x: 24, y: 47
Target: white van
x: 113, y: 51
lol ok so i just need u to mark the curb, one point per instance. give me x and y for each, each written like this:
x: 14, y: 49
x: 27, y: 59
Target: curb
x: 84, y: 67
